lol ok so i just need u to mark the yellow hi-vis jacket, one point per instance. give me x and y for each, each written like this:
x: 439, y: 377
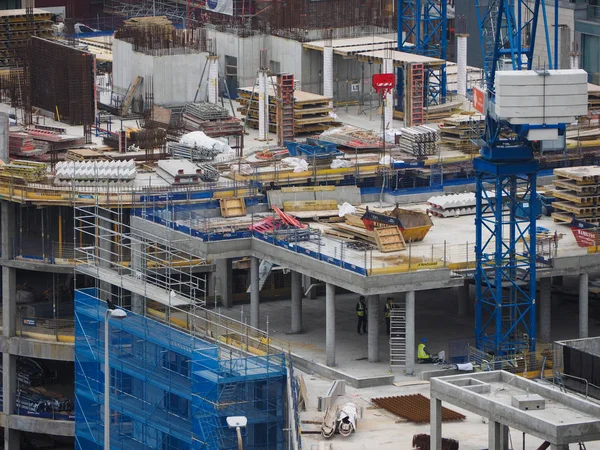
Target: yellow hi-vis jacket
x: 360, y: 309
x: 421, y: 353
x: 388, y: 310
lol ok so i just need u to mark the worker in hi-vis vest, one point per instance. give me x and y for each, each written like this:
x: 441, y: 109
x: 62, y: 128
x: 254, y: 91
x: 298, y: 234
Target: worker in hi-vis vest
x: 387, y: 309
x: 422, y: 355
x: 361, y: 312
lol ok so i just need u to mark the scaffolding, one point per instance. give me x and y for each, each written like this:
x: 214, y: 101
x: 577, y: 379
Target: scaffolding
x: 178, y: 369
x: 169, y: 388
x: 175, y: 10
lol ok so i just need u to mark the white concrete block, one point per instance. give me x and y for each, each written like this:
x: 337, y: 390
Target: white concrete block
x: 532, y: 78
x: 541, y: 111
x: 539, y: 100
x: 567, y: 89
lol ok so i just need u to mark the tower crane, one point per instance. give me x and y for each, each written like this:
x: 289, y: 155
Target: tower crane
x: 506, y: 168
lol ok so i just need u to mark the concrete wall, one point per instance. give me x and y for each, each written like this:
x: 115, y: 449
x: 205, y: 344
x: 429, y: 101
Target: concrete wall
x: 292, y: 57
x: 174, y: 77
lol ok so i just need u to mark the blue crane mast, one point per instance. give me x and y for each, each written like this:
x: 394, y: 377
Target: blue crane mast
x: 506, y: 171
x: 422, y: 30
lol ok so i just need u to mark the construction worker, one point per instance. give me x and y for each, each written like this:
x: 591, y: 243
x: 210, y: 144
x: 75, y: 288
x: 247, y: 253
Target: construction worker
x: 361, y: 312
x: 422, y: 355
x: 387, y: 309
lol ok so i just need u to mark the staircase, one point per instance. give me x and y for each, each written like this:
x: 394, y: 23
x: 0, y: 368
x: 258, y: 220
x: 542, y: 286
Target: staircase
x: 398, y: 334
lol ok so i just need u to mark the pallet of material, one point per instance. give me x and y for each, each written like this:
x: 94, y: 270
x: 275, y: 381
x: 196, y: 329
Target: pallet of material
x: 577, y: 198
x: 26, y: 170
x: 310, y: 205
x: 581, y: 175
x: 579, y: 211
x: 584, y: 189
x: 83, y: 154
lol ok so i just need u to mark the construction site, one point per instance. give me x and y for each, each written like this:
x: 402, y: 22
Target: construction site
x: 284, y: 225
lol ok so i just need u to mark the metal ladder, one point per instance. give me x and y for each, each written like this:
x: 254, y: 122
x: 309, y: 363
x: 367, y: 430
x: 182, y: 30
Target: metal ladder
x: 418, y: 94
x: 398, y: 334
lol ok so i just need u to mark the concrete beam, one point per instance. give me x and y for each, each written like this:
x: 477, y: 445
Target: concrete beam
x: 373, y: 328
x: 32, y: 348
x: 224, y: 274
x: 37, y: 425
x: 296, y: 302
x: 38, y: 266
x: 330, y: 325
x: 583, y: 305
x: 410, y: 333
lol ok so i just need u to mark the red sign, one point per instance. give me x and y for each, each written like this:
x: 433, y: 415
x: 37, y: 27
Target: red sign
x: 383, y: 82
x: 478, y: 100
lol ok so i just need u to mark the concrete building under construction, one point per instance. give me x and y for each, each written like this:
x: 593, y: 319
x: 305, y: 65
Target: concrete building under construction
x: 227, y: 174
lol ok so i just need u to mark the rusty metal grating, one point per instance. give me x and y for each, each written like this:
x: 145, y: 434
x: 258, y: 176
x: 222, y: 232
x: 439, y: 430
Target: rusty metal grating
x: 414, y: 408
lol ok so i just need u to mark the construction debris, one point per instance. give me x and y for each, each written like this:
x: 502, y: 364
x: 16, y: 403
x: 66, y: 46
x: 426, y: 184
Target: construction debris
x: 414, y: 408
x: 422, y: 442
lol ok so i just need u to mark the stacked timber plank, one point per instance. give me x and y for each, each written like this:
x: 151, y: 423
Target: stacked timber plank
x: 213, y: 120
x: 311, y: 111
x: 577, y: 193
x: 420, y: 141
x: 16, y: 27
x: 22, y: 172
x: 458, y: 131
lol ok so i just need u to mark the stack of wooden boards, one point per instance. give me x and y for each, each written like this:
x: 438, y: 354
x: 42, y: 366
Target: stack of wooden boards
x: 311, y: 111
x: 458, y: 130
x: 22, y: 172
x: 577, y: 194
x: 387, y: 238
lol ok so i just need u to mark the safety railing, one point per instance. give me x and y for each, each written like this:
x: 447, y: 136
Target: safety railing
x: 37, y: 402
x: 43, y: 328
x: 538, y: 364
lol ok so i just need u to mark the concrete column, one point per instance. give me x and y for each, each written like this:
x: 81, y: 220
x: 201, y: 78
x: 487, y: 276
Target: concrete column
x: 504, y: 437
x: 461, y: 62
x: 464, y: 296
x: 435, y: 413
x: 105, y: 240
x: 213, y: 78
x: 328, y: 72
x: 4, y: 127
x: 9, y: 395
x: 494, y: 432
x: 410, y: 333
x: 254, y: 292
x: 263, y: 106
x: 557, y: 281
x: 330, y: 324
x: 138, y: 271
x: 9, y: 275
x: 296, y: 302
x: 9, y: 318
x: 544, y: 328
x: 373, y: 328
x: 224, y: 275
x: 583, y: 305
x: 306, y: 283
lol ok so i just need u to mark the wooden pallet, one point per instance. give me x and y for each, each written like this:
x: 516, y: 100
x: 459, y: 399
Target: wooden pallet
x: 573, y: 186
x: 577, y: 198
x: 389, y: 239
x: 233, y: 207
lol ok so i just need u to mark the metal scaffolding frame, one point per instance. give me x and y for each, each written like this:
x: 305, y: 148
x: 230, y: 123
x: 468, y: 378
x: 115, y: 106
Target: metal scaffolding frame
x: 176, y: 10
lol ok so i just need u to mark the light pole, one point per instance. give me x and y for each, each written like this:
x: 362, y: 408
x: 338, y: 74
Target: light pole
x: 114, y: 314
x: 237, y: 422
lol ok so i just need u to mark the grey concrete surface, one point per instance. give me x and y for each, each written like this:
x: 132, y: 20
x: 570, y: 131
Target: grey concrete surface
x: 373, y: 306
x: 410, y: 333
x: 254, y: 292
x: 583, y: 305
x: 33, y: 348
x: 566, y: 418
x: 297, y: 295
x: 545, y: 322
x: 35, y: 425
